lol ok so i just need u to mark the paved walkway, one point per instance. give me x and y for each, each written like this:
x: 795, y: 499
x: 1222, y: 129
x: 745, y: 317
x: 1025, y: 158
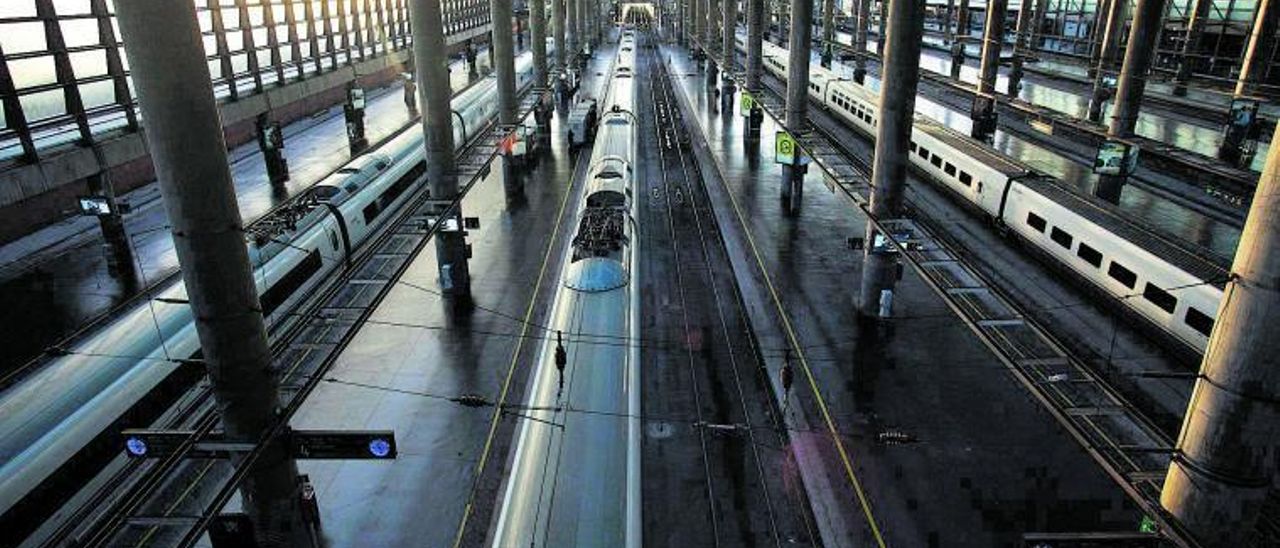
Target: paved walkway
x: 64, y: 271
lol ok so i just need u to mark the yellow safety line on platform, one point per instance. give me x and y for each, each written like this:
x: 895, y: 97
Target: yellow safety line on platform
x: 804, y: 363
x: 515, y: 355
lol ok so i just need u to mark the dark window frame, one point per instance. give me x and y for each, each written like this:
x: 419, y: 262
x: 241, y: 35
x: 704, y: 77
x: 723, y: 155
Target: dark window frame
x: 1120, y: 273
x: 1061, y: 237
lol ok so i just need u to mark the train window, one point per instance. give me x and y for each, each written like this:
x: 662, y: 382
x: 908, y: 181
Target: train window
x: 1089, y: 254
x: 1159, y: 297
x: 936, y: 161
x: 1199, y: 321
x: 371, y: 211
x: 275, y: 296
x: 1036, y: 222
x: 949, y: 169
x: 965, y: 178
x: 1062, y: 237
x: 1122, y: 275
x: 924, y: 153
x: 333, y: 240
x: 913, y: 146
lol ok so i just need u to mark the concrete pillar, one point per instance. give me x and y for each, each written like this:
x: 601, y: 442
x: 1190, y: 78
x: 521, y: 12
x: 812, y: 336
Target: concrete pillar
x: 1037, y: 23
x: 948, y: 30
x: 1133, y: 80
x: 504, y: 67
x: 1106, y: 59
x: 1233, y: 148
x: 992, y: 43
x: 712, y: 39
x: 1257, y: 55
x: 571, y: 34
x: 1137, y: 62
x: 982, y: 113
x: 860, y: 40
x: 958, y: 54
x: 797, y: 93
x: 1022, y: 34
x: 699, y: 21
x: 538, y: 35
x: 884, y: 16
x: 708, y: 22
x: 729, y: 50
x: 755, y: 63
x: 437, y: 127
x: 1226, y: 454
x: 1097, y: 32
x: 755, y: 43
x: 901, y: 74
x: 559, y: 22
x: 828, y: 31
x: 184, y: 134
x: 1191, y: 45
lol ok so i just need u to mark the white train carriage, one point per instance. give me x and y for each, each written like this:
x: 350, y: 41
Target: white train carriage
x: 579, y: 484
x: 107, y: 373
x: 1175, y: 286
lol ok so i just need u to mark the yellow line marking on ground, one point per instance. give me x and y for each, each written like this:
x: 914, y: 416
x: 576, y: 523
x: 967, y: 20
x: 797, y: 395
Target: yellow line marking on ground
x: 804, y: 363
x: 511, y: 369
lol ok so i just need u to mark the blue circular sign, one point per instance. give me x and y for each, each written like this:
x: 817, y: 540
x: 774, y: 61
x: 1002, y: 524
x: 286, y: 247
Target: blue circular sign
x: 379, y: 447
x: 136, y: 446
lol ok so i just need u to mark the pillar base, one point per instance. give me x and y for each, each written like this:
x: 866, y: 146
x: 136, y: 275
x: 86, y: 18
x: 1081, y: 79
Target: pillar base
x: 1216, y: 513
x: 792, y: 188
x: 1109, y: 188
x: 452, y: 254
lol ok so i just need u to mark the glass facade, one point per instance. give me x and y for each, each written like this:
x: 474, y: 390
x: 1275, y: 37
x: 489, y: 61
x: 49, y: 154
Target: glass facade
x: 64, y: 77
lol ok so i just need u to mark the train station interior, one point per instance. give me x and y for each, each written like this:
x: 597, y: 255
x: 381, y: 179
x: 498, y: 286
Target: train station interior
x: 659, y: 273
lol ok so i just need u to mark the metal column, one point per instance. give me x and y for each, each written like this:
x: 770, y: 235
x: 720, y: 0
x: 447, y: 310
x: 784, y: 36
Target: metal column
x: 184, y: 134
x: 559, y: 22
x: 797, y: 93
x: 437, y: 126
x: 1106, y: 59
x: 901, y: 74
x: 1226, y: 454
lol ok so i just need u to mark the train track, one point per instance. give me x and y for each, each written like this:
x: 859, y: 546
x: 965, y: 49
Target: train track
x: 692, y: 236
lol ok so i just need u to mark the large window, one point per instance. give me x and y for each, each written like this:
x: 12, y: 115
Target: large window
x: 70, y: 75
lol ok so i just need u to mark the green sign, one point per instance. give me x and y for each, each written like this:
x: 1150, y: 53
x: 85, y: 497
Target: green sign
x: 748, y: 103
x: 1148, y: 525
x: 785, y: 150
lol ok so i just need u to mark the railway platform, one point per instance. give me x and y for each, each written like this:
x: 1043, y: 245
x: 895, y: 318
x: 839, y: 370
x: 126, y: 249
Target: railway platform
x: 66, y: 269
x: 914, y: 413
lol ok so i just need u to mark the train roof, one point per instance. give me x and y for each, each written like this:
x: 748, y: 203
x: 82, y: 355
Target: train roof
x: 1187, y: 256
x: 971, y: 148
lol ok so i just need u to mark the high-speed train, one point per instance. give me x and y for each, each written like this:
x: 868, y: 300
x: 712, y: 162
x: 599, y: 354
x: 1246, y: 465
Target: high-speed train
x: 575, y: 476
x: 76, y: 397
x: 1175, y: 288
